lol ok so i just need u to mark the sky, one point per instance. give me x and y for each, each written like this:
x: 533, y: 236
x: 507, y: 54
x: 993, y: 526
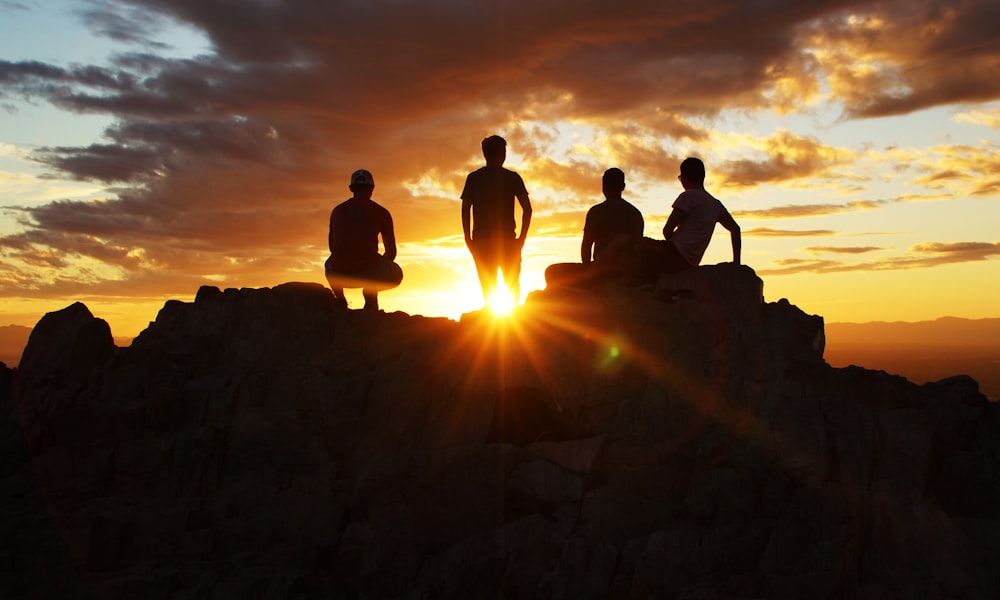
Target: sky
x: 149, y: 147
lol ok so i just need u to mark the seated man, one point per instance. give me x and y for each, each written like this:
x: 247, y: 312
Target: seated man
x: 689, y: 227
x: 612, y: 228
x: 355, y: 226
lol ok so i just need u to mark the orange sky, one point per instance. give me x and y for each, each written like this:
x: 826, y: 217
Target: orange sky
x: 151, y: 148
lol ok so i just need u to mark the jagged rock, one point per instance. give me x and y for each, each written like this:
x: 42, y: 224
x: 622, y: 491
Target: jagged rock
x: 63, y: 354
x: 618, y: 443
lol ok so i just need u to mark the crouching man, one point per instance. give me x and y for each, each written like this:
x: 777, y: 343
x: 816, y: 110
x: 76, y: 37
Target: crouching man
x: 355, y: 227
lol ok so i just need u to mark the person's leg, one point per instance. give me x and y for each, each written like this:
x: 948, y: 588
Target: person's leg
x: 338, y: 290
x: 385, y: 275
x: 671, y: 260
x: 566, y: 275
x: 511, y: 269
x: 339, y: 298
x: 484, y: 255
x: 371, y: 299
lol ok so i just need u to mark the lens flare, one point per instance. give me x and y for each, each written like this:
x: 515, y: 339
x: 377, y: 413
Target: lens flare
x: 501, y: 302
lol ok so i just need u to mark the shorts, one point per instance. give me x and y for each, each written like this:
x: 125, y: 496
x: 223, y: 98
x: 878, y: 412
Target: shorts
x: 383, y: 275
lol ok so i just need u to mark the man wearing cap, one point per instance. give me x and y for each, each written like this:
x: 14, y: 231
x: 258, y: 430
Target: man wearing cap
x: 355, y: 226
x: 488, y: 219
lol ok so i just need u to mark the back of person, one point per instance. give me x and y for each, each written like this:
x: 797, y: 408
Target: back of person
x: 492, y: 191
x: 611, y: 219
x: 702, y: 211
x: 356, y: 225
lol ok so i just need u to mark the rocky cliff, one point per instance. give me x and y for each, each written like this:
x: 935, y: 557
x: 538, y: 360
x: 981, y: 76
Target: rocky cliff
x: 262, y: 443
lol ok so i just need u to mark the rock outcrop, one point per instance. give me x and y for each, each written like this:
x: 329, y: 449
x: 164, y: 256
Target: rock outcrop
x: 621, y: 443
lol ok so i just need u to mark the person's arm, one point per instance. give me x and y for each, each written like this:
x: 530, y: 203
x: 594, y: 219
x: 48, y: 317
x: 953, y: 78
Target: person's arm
x: 467, y: 221
x: 389, y: 237
x: 735, y: 236
x: 673, y: 221
x: 640, y: 228
x: 586, y: 247
x: 525, y: 218
x: 329, y: 237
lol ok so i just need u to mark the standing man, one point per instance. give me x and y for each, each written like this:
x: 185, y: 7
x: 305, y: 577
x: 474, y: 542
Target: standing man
x: 612, y: 228
x: 355, y: 227
x: 488, y: 219
x: 690, y: 225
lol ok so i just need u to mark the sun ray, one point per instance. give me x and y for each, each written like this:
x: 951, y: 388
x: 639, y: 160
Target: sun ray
x: 501, y: 302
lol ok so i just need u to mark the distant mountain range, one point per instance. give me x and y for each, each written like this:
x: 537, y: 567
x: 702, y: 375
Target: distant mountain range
x: 922, y: 351
x: 12, y: 341
x: 950, y: 331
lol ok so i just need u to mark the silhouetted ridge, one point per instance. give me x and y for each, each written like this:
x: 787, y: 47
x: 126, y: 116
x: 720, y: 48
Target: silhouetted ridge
x: 687, y: 441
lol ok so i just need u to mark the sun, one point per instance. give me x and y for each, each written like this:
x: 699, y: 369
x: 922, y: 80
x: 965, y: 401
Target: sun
x: 501, y: 302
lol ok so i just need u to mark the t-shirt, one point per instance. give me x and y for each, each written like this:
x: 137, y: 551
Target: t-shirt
x: 612, y: 218
x: 701, y: 212
x: 491, y: 191
x: 354, y: 229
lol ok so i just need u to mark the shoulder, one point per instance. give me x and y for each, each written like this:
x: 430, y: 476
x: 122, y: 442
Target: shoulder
x: 690, y: 198
x: 628, y: 206
x: 712, y: 200
x: 478, y: 173
x: 599, y: 207
x: 512, y: 175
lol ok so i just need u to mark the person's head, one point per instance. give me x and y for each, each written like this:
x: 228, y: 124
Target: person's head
x: 494, y: 150
x: 362, y: 184
x: 693, y: 171
x: 613, y: 182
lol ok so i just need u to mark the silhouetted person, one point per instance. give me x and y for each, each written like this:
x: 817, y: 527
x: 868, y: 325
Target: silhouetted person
x: 488, y: 219
x: 355, y: 226
x: 611, y: 230
x: 690, y: 225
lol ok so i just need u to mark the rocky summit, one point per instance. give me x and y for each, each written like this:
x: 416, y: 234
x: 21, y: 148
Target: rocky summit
x: 687, y: 441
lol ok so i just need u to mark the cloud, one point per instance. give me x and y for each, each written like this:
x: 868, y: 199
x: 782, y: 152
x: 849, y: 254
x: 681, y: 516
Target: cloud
x: 842, y: 249
x: 768, y: 232
x: 899, y: 57
x: 949, y: 170
x: 978, y: 117
x: 919, y: 256
x: 957, y: 252
x: 787, y: 156
x: 793, y: 211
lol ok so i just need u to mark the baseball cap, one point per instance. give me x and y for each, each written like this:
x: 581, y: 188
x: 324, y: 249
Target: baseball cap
x: 362, y: 177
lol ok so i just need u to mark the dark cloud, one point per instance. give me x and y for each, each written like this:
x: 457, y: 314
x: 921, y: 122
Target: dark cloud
x: 917, y: 55
x: 842, y: 249
x: 920, y: 256
x: 768, y: 232
x: 793, y: 211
